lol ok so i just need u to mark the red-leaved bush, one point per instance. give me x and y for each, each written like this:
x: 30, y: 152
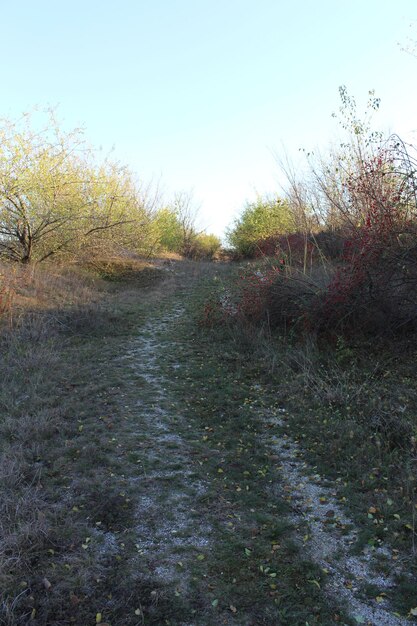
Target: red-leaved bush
x: 246, y: 299
x: 252, y: 290
x: 359, y: 275
x: 296, y: 248
x: 374, y: 289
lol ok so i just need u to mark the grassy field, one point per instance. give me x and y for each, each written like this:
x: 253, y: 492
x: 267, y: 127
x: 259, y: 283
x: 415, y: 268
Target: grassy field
x: 139, y: 484
x: 350, y: 407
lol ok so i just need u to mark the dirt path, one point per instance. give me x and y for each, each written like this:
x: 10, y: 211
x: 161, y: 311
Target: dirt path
x: 173, y: 530
x: 170, y: 496
x: 168, y: 527
x: 331, y: 538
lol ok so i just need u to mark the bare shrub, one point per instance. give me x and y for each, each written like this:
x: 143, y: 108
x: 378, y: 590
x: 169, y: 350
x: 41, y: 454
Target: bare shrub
x: 292, y: 297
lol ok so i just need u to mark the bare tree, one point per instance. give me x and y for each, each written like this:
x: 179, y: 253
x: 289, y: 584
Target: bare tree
x: 186, y: 213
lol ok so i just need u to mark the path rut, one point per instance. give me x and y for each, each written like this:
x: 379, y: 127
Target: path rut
x: 168, y: 523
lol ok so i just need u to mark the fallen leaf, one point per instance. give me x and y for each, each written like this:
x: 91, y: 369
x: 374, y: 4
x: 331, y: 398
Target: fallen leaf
x: 315, y: 582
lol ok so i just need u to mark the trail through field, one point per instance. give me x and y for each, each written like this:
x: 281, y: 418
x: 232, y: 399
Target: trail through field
x: 185, y: 517
x: 331, y: 537
x: 169, y: 527
x: 166, y: 488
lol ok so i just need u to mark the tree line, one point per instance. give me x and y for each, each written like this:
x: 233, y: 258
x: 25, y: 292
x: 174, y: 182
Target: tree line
x: 58, y: 198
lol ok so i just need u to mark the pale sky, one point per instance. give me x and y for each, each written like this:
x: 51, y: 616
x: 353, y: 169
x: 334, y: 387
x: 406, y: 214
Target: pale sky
x: 199, y: 94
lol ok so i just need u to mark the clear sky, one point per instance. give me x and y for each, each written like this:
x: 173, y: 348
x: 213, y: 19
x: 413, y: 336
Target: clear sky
x: 199, y: 94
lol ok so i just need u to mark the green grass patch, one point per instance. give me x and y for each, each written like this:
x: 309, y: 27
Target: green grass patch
x: 352, y: 407
x: 254, y: 569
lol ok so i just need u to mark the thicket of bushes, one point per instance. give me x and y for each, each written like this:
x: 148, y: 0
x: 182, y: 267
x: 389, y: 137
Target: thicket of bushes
x: 260, y: 219
x: 175, y: 231
x: 58, y: 198
x: 353, y: 267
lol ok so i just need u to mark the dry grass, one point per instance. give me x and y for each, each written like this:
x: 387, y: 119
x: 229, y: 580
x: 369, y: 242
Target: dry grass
x: 44, y: 304
x: 45, y: 288
x: 29, y: 353
x: 329, y: 381
x: 60, y: 321
x: 27, y: 429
